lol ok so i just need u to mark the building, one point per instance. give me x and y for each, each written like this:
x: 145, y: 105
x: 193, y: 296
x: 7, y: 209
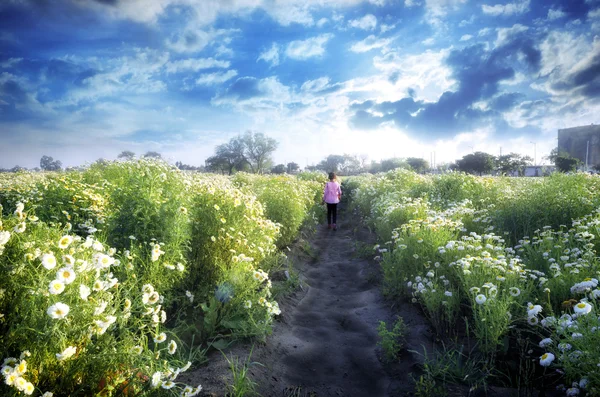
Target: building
x: 575, y: 142
x: 539, y: 170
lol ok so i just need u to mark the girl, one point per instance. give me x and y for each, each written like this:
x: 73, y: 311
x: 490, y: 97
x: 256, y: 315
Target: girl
x: 332, y: 196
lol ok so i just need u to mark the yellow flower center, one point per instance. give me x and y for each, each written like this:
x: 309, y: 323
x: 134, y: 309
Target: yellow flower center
x: 545, y: 356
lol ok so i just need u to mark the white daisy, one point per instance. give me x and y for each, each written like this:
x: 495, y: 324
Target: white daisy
x: 546, y: 359
x: 56, y: 287
x: 66, y: 275
x: 67, y: 353
x: 49, y: 261
x: 65, y: 241
x: 58, y: 311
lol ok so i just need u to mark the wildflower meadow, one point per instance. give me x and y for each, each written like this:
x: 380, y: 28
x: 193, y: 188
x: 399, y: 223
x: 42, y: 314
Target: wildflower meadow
x: 505, y: 269
x: 119, y: 278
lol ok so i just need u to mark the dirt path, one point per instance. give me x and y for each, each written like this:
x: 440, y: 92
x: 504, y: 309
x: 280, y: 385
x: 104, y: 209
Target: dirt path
x: 325, y: 344
x: 325, y: 341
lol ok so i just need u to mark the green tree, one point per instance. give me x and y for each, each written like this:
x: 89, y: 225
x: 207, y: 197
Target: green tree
x: 345, y: 164
x: 566, y: 163
x: 478, y: 162
x: 417, y: 164
x: 509, y: 163
x: 126, y: 154
x: 152, y: 155
x: 257, y: 150
x: 47, y: 163
x: 292, y: 167
x: 278, y: 169
x: 393, y: 163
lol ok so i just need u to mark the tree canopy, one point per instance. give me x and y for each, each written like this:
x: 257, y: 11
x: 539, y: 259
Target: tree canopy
x: 478, y: 162
x: 251, y: 150
x: 47, y: 163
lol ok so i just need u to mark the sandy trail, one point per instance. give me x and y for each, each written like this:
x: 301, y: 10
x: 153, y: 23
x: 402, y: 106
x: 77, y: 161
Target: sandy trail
x: 325, y: 344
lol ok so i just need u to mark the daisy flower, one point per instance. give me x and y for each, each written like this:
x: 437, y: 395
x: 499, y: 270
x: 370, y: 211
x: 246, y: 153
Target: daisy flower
x: 160, y: 338
x: 480, y: 299
x: 172, y: 347
x: 546, y: 359
x: 65, y: 241
x: 67, y: 353
x: 66, y: 275
x: 58, y: 311
x: 56, y: 287
x: 49, y: 261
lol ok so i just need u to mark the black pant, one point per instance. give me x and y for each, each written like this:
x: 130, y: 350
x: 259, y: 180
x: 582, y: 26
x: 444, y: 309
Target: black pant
x: 331, y: 213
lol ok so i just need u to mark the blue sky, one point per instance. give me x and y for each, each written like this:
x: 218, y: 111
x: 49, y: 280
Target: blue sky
x: 84, y: 79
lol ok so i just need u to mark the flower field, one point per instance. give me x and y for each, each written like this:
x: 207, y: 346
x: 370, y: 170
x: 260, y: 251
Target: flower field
x: 505, y: 269
x: 117, y: 279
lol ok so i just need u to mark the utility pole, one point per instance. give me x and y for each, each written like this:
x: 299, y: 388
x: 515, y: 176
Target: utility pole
x: 534, y: 153
x: 587, y: 152
x: 500, y: 151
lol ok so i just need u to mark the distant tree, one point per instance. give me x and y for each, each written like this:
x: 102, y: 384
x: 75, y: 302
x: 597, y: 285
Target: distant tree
x: 563, y: 161
x: 152, y: 155
x: 417, y: 164
x: 278, y: 169
x: 127, y: 155
x: 292, y: 167
x: 344, y: 164
x: 47, y: 163
x: 187, y: 167
x: 101, y: 161
x: 375, y: 167
x: 392, y: 164
x: 478, y: 162
x: 257, y: 150
x: 18, y: 168
x: 251, y: 150
x: 218, y: 164
x: 566, y: 163
x: 513, y: 162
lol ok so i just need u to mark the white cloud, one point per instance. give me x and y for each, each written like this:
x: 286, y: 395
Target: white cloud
x: 467, y: 22
x: 265, y: 98
x: 271, y: 55
x: 506, y: 9
x: 466, y: 37
x: 370, y: 43
x: 194, y: 64
x: 563, y: 55
x: 426, y: 73
x: 555, y: 14
x: 594, y: 14
x: 367, y: 22
x: 10, y: 62
x: 315, y: 85
x: 484, y: 32
x: 505, y: 34
x: 429, y: 41
x: 309, y: 48
x: 385, y: 28
x: 216, y: 78
x: 322, y: 22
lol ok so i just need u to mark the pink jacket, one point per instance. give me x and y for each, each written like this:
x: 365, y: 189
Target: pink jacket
x: 332, y: 193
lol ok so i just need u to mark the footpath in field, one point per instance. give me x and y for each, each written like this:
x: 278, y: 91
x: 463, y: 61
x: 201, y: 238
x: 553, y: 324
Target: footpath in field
x: 325, y: 343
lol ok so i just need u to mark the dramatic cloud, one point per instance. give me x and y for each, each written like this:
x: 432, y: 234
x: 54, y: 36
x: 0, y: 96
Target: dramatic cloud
x: 309, y: 48
x: 99, y: 76
x: 478, y: 73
